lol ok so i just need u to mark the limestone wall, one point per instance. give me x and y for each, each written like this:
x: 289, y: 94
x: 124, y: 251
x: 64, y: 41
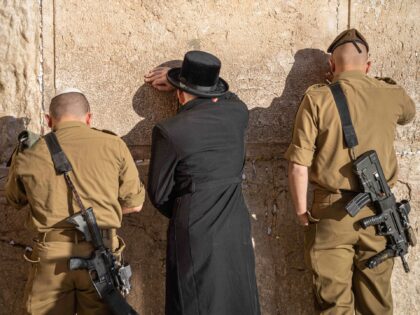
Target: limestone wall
x: 271, y: 51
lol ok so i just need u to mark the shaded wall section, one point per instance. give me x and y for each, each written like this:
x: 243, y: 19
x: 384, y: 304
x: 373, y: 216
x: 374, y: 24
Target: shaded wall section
x: 271, y: 51
x: 20, y: 108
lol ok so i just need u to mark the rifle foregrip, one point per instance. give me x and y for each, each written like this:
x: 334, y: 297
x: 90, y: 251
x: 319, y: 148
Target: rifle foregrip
x: 373, y: 220
x: 380, y: 258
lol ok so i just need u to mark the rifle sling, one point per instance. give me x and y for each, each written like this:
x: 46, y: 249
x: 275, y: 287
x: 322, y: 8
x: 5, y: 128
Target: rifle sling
x: 62, y: 165
x: 350, y: 137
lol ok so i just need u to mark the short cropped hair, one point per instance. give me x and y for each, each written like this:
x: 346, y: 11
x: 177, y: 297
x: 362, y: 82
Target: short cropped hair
x: 69, y: 104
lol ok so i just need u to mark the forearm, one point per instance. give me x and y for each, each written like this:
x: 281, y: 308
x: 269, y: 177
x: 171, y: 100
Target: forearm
x: 298, y: 186
x: 131, y: 210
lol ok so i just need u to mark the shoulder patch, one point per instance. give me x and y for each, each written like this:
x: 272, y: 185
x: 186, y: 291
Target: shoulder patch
x: 27, y: 140
x: 386, y: 80
x: 106, y: 131
x: 315, y: 86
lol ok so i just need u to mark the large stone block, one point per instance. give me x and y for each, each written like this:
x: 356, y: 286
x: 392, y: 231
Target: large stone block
x: 20, y: 39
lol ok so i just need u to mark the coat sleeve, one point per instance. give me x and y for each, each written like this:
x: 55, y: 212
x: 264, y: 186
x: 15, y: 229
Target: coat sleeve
x: 230, y: 96
x: 163, y: 162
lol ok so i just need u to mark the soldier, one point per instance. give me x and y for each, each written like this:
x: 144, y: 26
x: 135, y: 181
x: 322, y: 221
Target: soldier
x: 106, y: 178
x: 336, y: 248
x: 195, y: 180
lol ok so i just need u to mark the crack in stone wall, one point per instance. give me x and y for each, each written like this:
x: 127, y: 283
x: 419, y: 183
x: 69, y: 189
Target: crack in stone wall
x: 271, y: 52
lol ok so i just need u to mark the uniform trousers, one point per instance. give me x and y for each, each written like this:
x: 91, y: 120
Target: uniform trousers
x: 336, y: 250
x: 53, y: 289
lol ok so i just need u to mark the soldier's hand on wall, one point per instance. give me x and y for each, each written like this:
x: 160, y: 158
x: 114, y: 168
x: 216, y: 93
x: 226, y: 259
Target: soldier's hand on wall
x: 157, y: 78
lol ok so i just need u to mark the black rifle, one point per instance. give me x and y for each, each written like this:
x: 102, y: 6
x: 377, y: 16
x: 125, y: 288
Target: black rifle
x: 110, y: 279
x: 391, y: 220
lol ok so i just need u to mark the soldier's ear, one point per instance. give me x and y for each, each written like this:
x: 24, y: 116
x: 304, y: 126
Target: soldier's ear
x: 88, y: 119
x: 332, y: 64
x: 368, y: 65
x: 49, y: 120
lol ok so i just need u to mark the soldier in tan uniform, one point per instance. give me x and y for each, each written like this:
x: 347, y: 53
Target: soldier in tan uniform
x: 107, y: 180
x: 336, y: 248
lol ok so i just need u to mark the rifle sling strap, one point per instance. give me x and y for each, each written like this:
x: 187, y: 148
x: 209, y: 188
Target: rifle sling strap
x: 62, y: 165
x: 350, y: 137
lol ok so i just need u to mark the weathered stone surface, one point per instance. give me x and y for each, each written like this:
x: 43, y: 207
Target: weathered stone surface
x: 20, y: 107
x: 258, y: 56
x: 20, y: 94
x: 10, y: 127
x: 271, y: 52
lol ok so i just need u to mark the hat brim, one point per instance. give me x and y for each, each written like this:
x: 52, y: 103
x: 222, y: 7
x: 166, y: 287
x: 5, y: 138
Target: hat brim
x: 220, y: 89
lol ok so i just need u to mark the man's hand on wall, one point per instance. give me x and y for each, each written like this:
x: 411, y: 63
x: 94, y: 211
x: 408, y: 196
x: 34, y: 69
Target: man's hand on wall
x: 157, y: 78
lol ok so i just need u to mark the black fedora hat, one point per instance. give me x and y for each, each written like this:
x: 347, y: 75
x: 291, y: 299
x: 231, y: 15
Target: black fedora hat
x: 199, y: 75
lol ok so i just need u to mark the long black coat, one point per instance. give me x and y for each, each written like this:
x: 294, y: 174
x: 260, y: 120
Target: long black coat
x: 195, y: 180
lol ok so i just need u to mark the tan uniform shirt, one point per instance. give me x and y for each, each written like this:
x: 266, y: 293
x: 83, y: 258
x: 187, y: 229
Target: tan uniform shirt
x: 376, y: 107
x: 104, y: 175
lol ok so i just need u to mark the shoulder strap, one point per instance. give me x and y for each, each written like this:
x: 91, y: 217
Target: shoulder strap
x: 350, y: 137
x: 61, y: 163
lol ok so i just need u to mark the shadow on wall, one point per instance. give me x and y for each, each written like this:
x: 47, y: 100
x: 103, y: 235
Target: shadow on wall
x: 281, y: 272
x: 10, y: 127
x: 14, y: 237
x: 145, y: 233
x: 268, y: 124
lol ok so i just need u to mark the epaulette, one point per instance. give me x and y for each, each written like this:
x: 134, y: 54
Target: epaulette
x: 315, y: 86
x: 106, y: 131
x: 387, y: 80
x: 27, y: 140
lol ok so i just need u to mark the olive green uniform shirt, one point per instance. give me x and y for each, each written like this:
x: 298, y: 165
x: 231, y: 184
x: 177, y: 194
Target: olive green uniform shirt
x: 376, y: 107
x: 104, y: 175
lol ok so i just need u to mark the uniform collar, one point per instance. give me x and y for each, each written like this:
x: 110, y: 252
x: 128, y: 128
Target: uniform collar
x: 69, y: 124
x: 349, y: 75
x: 193, y: 103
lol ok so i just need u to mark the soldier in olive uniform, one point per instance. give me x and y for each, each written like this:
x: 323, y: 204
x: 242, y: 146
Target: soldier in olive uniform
x: 106, y: 178
x: 336, y: 248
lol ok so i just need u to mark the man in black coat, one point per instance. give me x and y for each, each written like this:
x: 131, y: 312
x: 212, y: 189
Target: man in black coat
x: 195, y: 180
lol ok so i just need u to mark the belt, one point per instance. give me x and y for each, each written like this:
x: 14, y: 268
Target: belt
x: 321, y: 196
x: 72, y: 236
